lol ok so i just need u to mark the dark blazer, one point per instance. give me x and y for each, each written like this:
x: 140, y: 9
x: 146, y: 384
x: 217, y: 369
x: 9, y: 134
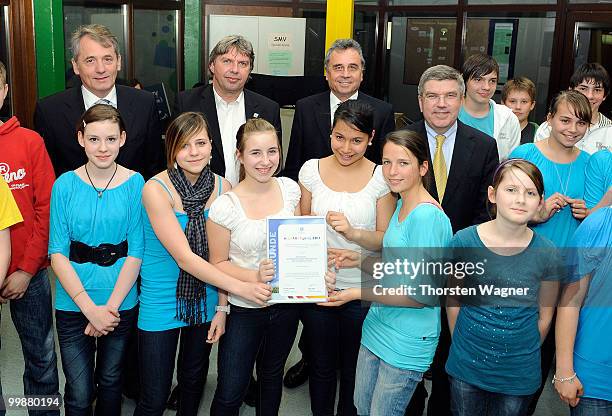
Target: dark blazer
x: 202, y: 99
x: 310, y: 133
x: 56, y: 117
x: 474, y: 161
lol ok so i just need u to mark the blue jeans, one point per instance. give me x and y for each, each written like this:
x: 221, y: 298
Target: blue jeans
x: 329, y: 330
x: 92, y: 366
x: 263, y: 333
x: 32, y: 316
x: 382, y: 389
x: 592, y: 407
x: 469, y: 400
x: 157, y: 352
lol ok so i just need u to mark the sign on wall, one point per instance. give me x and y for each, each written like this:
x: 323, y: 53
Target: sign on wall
x: 278, y: 42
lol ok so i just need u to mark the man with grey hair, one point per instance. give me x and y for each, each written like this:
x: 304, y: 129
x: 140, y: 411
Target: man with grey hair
x: 462, y: 160
x: 310, y: 133
x: 96, y: 60
x: 226, y: 104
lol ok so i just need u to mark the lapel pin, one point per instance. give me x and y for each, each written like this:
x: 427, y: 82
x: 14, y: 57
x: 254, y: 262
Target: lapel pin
x: 255, y: 115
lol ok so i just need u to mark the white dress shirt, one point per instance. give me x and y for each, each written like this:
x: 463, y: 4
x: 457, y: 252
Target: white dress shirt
x: 334, y: 103
x: 447, y: 146
x: 230, y: 116
x: 89, y: 98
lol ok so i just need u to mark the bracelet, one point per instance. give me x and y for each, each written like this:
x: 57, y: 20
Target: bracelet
x: 569, y: 379
x: 224, y: 308
x: 75, y: 296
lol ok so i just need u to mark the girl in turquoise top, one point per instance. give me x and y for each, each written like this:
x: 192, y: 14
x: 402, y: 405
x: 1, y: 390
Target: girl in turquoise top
x: 494, y: 359
x: 96, y: 246
x: 179, y: 296
x: 398, y: 343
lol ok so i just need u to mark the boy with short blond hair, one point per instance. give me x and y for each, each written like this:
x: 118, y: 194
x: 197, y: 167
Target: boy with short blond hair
x: 519, y: 95
x: 27, y: 169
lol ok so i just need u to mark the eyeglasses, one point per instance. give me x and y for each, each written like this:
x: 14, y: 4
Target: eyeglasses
x: 448, y: 97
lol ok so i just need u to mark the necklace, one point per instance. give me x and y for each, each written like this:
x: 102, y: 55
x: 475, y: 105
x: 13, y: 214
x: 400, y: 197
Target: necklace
x: 569, y: 175
x: 94, y: 186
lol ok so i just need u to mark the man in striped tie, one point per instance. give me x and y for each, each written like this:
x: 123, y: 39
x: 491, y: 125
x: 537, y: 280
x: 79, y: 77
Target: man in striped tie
x: 463, y: 160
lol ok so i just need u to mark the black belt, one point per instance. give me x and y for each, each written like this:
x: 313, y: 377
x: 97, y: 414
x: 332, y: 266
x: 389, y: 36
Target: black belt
x: 102, y: 255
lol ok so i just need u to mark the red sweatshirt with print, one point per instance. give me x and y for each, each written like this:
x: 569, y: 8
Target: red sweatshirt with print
x: 27, y: 169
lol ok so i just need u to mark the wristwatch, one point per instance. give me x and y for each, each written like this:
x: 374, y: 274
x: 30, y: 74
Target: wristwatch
x: 225, y: 309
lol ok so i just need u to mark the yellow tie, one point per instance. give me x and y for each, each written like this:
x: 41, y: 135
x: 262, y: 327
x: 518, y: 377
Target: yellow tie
x: 439, y: 167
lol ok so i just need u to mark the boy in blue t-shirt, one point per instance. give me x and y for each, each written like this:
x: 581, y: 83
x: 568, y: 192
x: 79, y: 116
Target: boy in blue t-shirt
x: 481, y: 73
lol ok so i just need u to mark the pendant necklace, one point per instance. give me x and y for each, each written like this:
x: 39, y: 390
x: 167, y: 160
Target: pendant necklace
x: 106, y: 187
x: 569, y: 175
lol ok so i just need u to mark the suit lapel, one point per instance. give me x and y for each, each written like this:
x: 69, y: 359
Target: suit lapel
x: 125, y: 107
x: 75, y: 107
x: 209, y: 108
x: 323, y: 117
x: 250, y: 106
x: 464, y: 146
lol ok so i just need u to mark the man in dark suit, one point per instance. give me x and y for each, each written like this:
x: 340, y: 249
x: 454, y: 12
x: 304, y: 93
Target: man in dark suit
x: 463, y: 162
x: 310, y: 133
x: 96, y: 60
x: 226, y: 104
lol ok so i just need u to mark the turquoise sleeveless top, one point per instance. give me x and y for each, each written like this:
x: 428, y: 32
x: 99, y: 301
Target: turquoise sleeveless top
x: 159, y: 275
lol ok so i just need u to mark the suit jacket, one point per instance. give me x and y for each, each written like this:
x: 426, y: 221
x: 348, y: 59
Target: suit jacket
x: 56, y: 117
x: 310, y: 133
x: 202, y: 99
x: 474, y: 161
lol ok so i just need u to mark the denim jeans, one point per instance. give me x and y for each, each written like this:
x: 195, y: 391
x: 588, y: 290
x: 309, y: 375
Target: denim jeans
x: 588, y: 406
x: 92, y: 366
x: 157, y: 352
x: 32, y: 316
x: 329, y: 330
x: 469, y: 400
x: 266, y: 333
x: 382, y: 389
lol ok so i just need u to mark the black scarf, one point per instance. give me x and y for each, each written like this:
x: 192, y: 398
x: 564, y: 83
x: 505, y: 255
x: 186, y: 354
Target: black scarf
x: 191, y: 292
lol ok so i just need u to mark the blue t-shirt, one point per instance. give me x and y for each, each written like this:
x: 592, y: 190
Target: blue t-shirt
x: 593, y: 345
x: 484, y: 124
x: 77, y: 214
x: 159, y: 275
x: 598, y: 177
x: 567, y: 179
x: 406, y: 337
x: 496, y: 341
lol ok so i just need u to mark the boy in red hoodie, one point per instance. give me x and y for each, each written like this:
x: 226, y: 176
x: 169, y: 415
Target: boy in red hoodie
x: 27, y: 169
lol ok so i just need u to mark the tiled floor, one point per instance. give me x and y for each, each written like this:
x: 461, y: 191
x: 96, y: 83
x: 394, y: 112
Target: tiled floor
x: 295, y: 401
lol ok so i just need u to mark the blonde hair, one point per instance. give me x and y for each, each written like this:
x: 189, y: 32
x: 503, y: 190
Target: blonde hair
x: 256, y: 125
x: 2, y: 74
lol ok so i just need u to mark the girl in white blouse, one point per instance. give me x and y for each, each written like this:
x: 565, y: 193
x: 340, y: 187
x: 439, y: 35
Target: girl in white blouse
x: 351, y: 192
x: 236, y: 230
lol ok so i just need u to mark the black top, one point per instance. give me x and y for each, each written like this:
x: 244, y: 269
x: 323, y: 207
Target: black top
x: 528, y: 133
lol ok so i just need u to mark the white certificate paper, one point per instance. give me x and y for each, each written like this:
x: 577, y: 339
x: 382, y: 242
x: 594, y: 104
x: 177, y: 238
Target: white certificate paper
x: 298, y: 248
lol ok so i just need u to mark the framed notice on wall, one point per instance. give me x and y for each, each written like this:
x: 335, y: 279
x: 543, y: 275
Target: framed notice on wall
x: 502, y: 46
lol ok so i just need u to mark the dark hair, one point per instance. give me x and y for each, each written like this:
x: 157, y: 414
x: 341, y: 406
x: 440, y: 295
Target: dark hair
x: 579, y: 104
x: 519, y: 84
x: 414, y: 143
x: 256, y: 125
x: 180, y: 130
x: 358, y: 114
x: 100, y: 112
x: 591, y: 71
x: 133, y: 82
x: 479, y: 65
x: 524, y: 166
